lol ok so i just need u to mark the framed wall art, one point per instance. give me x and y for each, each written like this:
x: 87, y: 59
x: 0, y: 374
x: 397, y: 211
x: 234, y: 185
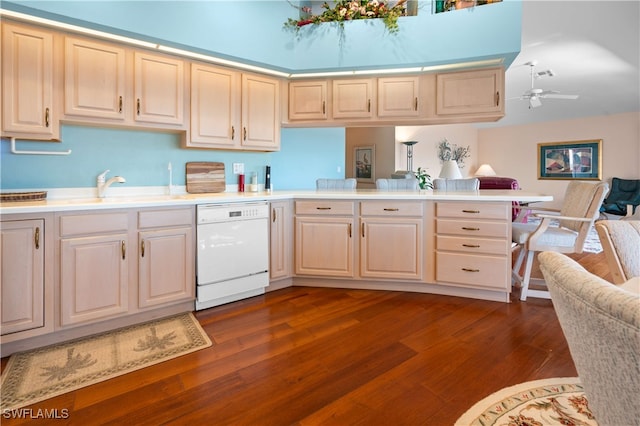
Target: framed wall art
x: 581, y: 160
x: 364, y: 160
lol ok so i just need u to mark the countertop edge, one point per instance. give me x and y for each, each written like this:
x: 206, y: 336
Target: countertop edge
x: 80, y: 204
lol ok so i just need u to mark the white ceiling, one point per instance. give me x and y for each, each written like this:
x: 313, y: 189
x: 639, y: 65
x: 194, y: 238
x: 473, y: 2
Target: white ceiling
x: 593, y: 47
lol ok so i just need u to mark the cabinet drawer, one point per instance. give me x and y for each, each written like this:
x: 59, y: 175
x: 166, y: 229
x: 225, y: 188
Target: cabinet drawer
x: 160, y: 218
x: 391, y: 208
x: 474, y: 210
x: 93, y: 223
x: 473, y: 228
x: 479, y: 271
x: 472, y: 245
x: 318, y: 207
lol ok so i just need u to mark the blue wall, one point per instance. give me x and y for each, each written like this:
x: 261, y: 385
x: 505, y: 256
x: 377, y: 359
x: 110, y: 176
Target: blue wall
x: 252, y: 31
x: 142, y: 158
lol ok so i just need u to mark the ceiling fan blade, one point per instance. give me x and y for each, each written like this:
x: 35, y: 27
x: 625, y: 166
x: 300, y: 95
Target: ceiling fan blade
x: 559, y: 96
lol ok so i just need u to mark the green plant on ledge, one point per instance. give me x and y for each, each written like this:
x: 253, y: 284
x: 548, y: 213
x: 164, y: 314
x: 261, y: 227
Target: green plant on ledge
x: 350, y: 10
x: 424, y: 179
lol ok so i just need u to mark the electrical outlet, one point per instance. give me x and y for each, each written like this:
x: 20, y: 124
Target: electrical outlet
x: 339, y: 169
x: 238, y: 168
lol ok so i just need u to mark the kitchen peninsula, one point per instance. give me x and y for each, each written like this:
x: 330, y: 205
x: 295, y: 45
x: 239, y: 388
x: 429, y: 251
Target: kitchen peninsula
x: 452, y: 243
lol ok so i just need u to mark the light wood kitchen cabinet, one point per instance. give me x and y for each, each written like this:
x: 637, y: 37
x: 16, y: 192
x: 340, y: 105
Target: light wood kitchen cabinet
x: 95, y: 80
x: 104, y: 274
x: 166, y: 259
x: 392, y: 239
x: 231, y: 110
x: 28, y: 76
x: 260, y: 113
x: 94, y: 267
x: 158, y: 89
x: 308, y: 100
x: 215, y: 107
x: 281, y: 240
x: 353, y: 98
x: 324, y: 238
x: 399, y: 96
x: 473, y: 244
x: 470, y: 92
x: 22, y: 279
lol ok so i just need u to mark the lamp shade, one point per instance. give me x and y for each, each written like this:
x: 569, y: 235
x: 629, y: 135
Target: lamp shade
x: 450, y: 170
x: 485, y: 170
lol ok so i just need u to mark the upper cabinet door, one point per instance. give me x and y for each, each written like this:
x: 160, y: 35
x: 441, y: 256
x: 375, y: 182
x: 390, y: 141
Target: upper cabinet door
x: 308, y: 100
x: 353, y: 98
x: 260, y: 112
x: 215, y: 107
x: 398, y: 96
x: 94, y: 79
x: 27, y: 83
x: 470, y: 92
x: 159, y: 89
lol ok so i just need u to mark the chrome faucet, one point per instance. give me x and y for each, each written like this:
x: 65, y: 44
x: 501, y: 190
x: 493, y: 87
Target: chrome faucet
x: 102, y: 185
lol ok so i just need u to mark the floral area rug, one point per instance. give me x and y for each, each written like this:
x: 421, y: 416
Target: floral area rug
x: 42, y: 373
x: 548, y: 402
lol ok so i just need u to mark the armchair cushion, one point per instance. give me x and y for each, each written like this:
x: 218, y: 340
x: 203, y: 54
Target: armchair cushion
x: 553, y: 236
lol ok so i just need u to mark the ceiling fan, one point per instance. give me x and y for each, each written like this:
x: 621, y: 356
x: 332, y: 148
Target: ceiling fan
x: 534, y: 95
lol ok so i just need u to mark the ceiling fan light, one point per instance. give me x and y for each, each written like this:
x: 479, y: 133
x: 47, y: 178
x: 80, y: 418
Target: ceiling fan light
x: 534, y: 102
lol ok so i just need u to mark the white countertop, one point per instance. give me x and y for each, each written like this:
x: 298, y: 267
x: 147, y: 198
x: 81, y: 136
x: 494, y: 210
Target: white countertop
x: 136, y: 201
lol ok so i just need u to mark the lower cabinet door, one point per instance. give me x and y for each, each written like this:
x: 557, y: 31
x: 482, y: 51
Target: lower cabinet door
x: 324, y: 246
x: 93, y: 278
x: 391, y: 248
x: 22, y: 275
x: 166, y: 266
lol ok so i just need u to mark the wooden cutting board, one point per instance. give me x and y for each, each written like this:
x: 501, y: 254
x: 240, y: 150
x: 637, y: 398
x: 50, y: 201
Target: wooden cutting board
x: 205, y: 176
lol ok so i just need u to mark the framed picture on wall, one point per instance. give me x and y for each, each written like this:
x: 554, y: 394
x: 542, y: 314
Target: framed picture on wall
x: 580, y: 160
x: 364, y: 160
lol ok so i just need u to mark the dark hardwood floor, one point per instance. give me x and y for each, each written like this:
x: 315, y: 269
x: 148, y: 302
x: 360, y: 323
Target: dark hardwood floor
x: 314, y: 356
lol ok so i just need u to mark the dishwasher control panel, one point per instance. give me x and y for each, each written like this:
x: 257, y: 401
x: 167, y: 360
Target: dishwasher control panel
x: 210, y: 213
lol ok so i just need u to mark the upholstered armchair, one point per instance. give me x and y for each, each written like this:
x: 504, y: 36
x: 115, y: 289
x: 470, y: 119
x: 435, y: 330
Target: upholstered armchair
x: 397, y: 184
x: 601, y: 323
x: 624, y: 193
x: 620, y: 241
x: 336, y: 184
x: 564, y: 231
x: 500, y: 182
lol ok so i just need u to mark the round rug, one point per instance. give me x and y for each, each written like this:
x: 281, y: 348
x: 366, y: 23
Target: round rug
x: 547, y: 402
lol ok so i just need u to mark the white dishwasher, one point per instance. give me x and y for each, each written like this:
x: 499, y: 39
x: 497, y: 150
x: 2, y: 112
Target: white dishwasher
x: 232, y: 260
